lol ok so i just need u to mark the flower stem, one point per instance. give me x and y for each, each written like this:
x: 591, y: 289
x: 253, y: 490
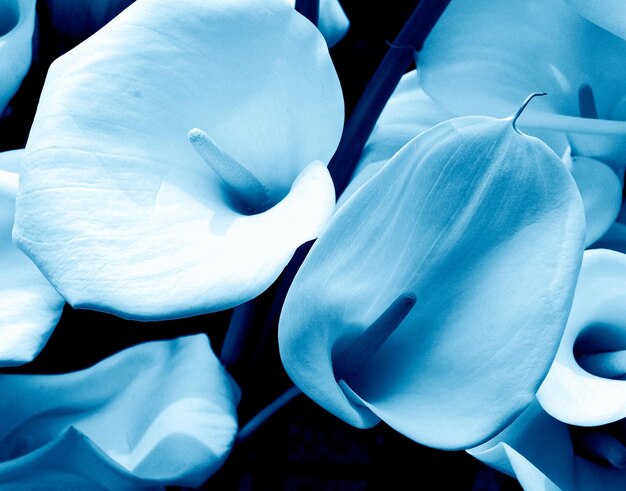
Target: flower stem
x: 380, y: 88
x: 310, y: 9
x: 267, y: 412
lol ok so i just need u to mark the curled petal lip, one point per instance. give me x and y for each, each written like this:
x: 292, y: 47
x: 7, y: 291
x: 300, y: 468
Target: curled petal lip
x: 569, y: 392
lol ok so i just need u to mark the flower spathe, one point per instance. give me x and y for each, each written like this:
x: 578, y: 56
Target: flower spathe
x: 485, y: 56
x: 17, y: 24
x: 157, y: 414
x: 446, y: 220
x: 117, y: 208
x: 30, y: 307
x: 609, y: 14
x: 583, y: 386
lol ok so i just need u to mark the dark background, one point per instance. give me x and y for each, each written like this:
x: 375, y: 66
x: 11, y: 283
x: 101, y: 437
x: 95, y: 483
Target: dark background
x: 302, y: 447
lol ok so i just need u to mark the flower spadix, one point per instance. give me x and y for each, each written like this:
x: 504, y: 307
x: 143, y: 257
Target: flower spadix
x: 128, y: 212
x: 158, y: 414
x: 17, y: 23
x: 30, y: 307
x: 477, y: 230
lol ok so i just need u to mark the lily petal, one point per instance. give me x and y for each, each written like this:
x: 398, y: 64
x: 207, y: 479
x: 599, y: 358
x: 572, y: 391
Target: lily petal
x: 609, y: 14
x: 408, y: 112
x: 115, y: 205
x: 596, y: 324
x: 417, y: 228
x: 484, y: 56
x: 157, y: 414
x: 30, y: 307
x: 17, y: 24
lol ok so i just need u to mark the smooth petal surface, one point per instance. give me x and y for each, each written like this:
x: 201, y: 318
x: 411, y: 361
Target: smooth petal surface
x: 408, y: 112
x: 609, y: 14
x: 537, y: 450
x: 597, y: 324
x: 486, y: 56
x: 79, y: 19
x: 448, y: 220
x: 17, y: 24
x: 601, y: 191
x: 333, y: 22
x: 157, y: 414
x: 115, y: 205
x: 30, y: 307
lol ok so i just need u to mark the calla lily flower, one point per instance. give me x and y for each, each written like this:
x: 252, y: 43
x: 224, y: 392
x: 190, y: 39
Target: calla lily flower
x: 157, y: 414
x: 30, y: 307
x: 424, y: 232
x: 584, y: 389
x: 584, y: 385
x: 17, y: 24
x: 484, y: 56
x: 609, y: 14
x: 79, y: 19
x: 125, y: 210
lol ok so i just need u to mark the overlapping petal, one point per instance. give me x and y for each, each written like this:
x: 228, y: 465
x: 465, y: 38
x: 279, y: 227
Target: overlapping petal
x: 584, y: 385
x: 157, y: 414
x: 609, y: 14
x: 17, y: 24
x: 483, y: 57
x: 30, y: 307
x: 537, y: 450
x: 117, y: 208
x: 492, y: 275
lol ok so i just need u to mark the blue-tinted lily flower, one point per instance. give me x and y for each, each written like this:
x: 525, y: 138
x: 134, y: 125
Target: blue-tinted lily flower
x: 17, y: 24
x: 178, y: 157
x: 30, y: 307
x: 157, y: 414
x: 436, y: 297
x: 573, y: 437
x: 505, y: 50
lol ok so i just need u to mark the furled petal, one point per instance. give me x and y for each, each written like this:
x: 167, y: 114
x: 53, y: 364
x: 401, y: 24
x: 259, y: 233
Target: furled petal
x: 79, y: 19
x: 609, y: 14
x: 489, y: 271
x: 484, y: 56
x: 17, y: 24
x: 537, y: 450
x: 115, y: 205
x: 160, y: 413
x: 597, y: 324
x: 30, y: 307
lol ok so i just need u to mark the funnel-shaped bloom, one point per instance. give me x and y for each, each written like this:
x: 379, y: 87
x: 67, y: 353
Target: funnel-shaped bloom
x: 30, y: 307
x: 585, y: 385
x: 484, y: 56
x: 482, y: 228
x: 157, y: 414
x: 123, y: 213
x: 17, y: 23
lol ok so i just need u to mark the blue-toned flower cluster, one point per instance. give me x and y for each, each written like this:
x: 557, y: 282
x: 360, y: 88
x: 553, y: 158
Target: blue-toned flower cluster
x: 468, y: 288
